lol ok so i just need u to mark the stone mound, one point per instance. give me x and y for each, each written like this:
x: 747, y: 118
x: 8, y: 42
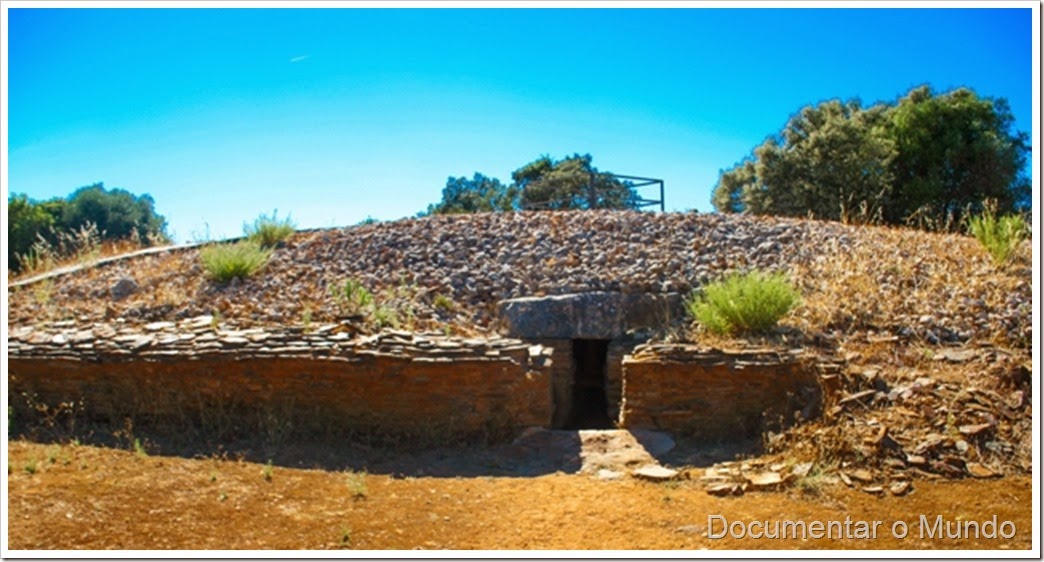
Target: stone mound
x: 449, y: 272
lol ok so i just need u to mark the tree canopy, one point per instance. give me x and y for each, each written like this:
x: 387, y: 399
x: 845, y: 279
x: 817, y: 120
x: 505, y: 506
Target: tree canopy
x: 476, y: 195
x: 571, y: 183
x: 927, y: 158
x: 544, y: 183
x: 117, y: 214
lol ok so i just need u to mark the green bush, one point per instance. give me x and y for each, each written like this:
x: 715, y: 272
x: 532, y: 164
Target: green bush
x: 269, y: 231
x: 743, y: 303
x: 999, y: 235
x: 225, y: 262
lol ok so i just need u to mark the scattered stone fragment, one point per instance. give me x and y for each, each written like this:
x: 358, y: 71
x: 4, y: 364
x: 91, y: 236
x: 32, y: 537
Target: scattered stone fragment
x: 655, y: 473
x: 123, y: 288
x: 157, y: 326
x: 895, y: 463
x: 979, y: 470
x: 900, y: 488
x: 725, y: 489
x: 876, y: 490
x: 956, y: 356
x: 857, y: 397
x: 862, y: 475
x: 916, y: 460
x: 764, y: 480
x: 801, y: 470
x: 974, y: 429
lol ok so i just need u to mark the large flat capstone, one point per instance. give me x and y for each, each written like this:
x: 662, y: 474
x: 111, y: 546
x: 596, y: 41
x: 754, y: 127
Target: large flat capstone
x: 594, y: 315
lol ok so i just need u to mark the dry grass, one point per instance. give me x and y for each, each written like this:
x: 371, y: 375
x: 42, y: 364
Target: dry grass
x: 78, y: 248
x: 897, y: 278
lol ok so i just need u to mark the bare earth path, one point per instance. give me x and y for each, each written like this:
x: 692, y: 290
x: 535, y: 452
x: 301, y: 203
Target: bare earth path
x: 82, y: 497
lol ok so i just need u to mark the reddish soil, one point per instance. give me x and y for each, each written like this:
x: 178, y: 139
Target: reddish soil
x: 86, y: 497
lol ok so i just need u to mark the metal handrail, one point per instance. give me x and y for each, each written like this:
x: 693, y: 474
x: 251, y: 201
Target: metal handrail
x: 635, y: 182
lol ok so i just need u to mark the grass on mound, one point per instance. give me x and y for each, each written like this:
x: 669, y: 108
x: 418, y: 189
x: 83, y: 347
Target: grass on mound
x: 1000, y: 236
x: 225, y: 262
x: 743, y: 303
x: 269, y: 231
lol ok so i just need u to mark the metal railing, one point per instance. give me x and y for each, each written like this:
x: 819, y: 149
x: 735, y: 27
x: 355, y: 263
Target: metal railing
x: 631, y: 182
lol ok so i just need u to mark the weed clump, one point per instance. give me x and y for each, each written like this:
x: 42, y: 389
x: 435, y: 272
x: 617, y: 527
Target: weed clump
x: 269, y: 231
x: 356, y: 482
x: 1000, y: 236
x: 225, y: 262
x: 353, y: 297
x: 743, y: 303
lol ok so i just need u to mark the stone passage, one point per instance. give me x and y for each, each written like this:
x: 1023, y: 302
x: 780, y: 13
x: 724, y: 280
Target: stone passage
x: 589, y: 407
x: 589, y: 333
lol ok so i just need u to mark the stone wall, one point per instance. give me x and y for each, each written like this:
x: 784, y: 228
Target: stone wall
x: 618, y: 350
x: 718, y: 395
x: 561, y: 377
x: 392, y: 384
x: 430, y: 385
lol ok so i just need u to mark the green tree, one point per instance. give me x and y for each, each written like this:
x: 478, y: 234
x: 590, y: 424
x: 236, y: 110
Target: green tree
x: 476, y: 195
x: 117, y: 212
x: 925, y: 156
x: 955, y: 151
x: 832, y: 160
x: 26, y: 221
x: 571, y: 183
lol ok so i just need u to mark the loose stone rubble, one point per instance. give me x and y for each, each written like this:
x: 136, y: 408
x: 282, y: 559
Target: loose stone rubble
x: 883, y: 433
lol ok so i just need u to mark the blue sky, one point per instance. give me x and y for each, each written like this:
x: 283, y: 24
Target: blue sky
x: 336, y: 114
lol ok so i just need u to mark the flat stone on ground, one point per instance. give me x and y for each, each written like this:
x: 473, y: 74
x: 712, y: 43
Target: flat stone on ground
x: 655, y: 473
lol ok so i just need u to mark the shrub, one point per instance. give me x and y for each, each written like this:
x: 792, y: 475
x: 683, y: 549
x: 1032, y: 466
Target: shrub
x: 225, y: 262
x: 743, y: 303
x: 269, y: 231
x: 1000, y: 236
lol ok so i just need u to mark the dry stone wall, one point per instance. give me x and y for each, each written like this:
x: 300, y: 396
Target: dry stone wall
x: 388, y: 383
x: 718, y: 394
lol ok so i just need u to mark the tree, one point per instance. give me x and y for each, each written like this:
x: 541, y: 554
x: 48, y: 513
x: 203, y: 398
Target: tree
x: 926, y: 156
x: 571, y: 183
x: 955, y: 151
x: 26, y: 221
x: 477, y: 195
x: 830, y: 160
x: 117, y: 212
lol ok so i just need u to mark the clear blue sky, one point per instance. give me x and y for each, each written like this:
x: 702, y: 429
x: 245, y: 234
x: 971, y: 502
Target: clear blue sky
x: 332, y: 115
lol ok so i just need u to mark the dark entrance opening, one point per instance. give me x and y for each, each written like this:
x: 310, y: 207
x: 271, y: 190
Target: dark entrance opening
x: 589, y: 408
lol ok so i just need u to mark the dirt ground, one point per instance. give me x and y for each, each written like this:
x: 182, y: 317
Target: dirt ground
x: 87, y: 497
